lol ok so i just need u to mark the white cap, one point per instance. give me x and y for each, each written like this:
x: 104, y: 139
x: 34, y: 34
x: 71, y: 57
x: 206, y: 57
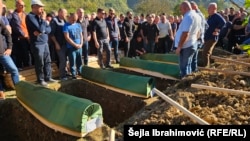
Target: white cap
x: 37, y: 2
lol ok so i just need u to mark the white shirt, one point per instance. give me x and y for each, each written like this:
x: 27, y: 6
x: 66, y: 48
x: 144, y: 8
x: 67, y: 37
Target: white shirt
x: 191, y: 23
x: 163, y: 29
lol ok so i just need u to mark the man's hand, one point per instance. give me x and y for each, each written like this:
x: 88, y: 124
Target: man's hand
x: 7, y: 52
x: 57, y: 46
x: 177, y: 51
x: 97, y: 45
x: 36, y: 33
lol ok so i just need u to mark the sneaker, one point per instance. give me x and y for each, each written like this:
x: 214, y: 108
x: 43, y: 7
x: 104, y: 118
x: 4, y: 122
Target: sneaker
x: 74, y: 77
x: 43, y: 83
x: 51, y: 80
x: 109, y: 66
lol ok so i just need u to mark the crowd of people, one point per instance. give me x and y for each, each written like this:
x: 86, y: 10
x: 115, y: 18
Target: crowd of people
x: 39, y: 38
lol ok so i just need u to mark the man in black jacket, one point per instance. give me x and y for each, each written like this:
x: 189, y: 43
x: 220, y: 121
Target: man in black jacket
x: 38, y: 30
x: 5, y: 58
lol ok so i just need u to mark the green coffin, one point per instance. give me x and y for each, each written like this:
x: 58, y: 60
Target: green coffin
x: 70, y: 112
x: 137, y: 84
x: 168, y: 58
x: 163, y: 68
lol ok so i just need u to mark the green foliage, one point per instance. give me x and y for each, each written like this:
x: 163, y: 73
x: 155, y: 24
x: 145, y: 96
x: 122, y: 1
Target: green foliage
x: 72, y: 5
x: 247, y: 4
x: 153, y: 6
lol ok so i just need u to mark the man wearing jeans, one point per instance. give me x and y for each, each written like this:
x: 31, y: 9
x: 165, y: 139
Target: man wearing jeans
x: 186, y: 37
x: 101, y: 38
x: 85, y: 34
x: 112, y: 23
x: 5, y: 58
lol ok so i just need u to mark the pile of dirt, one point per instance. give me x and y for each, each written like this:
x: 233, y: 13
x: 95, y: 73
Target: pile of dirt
x: 215, y: 107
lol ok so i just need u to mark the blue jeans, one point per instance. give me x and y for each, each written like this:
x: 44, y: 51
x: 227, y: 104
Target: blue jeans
x: 185, y: 60
x: 114, y: 43
x: 194, y: 64
x: 85, y: 52
x: 151, y: 46
x: 247, y: 41
x: 10, y: 66
x: 75, y: 60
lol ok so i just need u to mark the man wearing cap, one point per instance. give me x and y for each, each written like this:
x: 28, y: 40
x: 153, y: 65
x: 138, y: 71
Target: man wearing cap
x: 38, y: 30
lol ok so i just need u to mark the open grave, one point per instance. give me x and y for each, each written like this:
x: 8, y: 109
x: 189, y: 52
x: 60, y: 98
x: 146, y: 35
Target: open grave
x: 17, y: 124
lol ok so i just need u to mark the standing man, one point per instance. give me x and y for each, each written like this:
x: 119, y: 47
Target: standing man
x: 200, y: 40
x: 215, y: 23
x: 21, y: 47
x: 73, y: 35
x: 128, y: 25
x: 38, y: 30
x: 57, y: 37
x: 151, y: 34
x: 5, y: 58
x: 165, y: 35
x: 101, y: 38
x: 86, y: 34
x: 186, y: 38
x: 114, y: 33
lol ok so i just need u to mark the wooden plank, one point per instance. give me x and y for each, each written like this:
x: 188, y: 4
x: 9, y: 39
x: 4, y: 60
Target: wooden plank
x: 230, y: 60
x: 125, y: 92
x: 224, y: 71
x: 112, y: 135
x: 151, y: 73
x: 180, y: 107
x: 50, y: 124
x: 227, y: 52
x: 29, y: 74
x: 243, y: 59
x: 220, y: 89
x: 238, y: 56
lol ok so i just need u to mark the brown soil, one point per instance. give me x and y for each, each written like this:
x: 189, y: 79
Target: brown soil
x: 218, y: 108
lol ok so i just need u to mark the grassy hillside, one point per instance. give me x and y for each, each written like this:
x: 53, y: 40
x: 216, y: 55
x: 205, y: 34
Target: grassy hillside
x: 72, y: 5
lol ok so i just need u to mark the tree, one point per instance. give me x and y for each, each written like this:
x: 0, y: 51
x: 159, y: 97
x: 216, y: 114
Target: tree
x: 156, y: 6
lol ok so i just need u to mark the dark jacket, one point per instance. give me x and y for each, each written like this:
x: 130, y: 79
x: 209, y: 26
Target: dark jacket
x: 35, y: 23
x: 113, y: 27
x: 57, y: 30
x: 4, y: 32
x: 15, y: 23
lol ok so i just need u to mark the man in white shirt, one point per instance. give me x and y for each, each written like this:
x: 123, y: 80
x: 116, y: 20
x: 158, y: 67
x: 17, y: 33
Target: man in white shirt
x: 186, y: 38
x: 165, y: 34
